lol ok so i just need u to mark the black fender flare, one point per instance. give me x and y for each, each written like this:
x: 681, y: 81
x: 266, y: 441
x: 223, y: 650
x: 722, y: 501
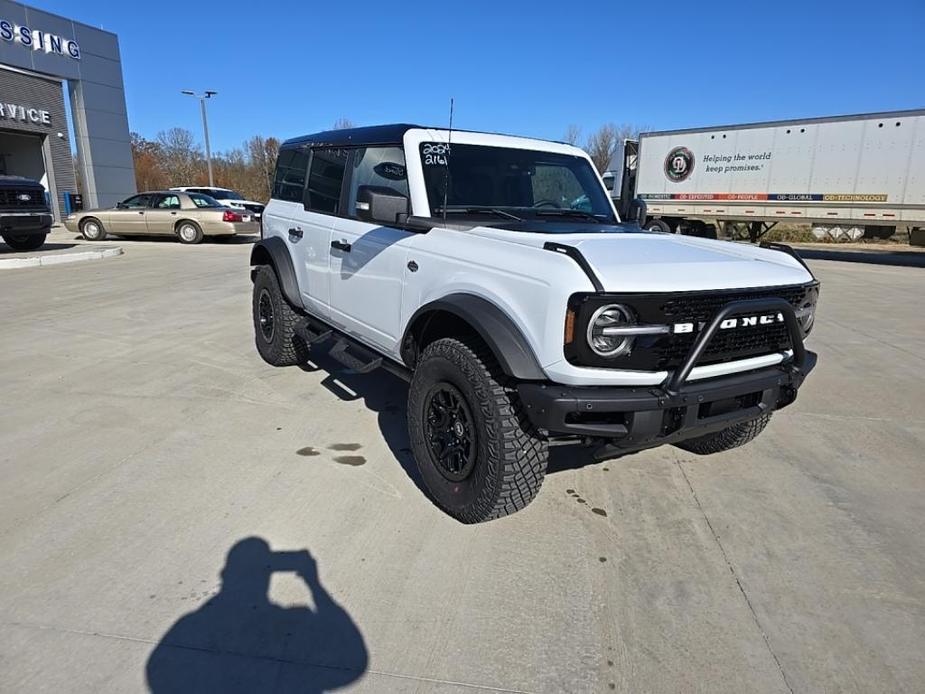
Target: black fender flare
x: 273, y: 251
x: 497, y: 330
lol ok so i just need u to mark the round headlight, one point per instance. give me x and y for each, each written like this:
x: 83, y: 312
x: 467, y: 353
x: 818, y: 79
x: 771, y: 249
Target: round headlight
x: 610, y: 343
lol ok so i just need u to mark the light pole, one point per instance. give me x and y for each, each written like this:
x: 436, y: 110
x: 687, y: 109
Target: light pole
x: 208, y: 94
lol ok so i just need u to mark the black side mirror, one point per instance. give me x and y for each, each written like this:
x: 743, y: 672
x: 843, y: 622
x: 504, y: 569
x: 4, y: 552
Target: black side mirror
x: 638, y: 212
x: 121, y: 206
x: 380, y: 204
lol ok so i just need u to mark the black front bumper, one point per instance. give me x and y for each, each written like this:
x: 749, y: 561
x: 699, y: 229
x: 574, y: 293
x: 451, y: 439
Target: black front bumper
x: 640, y: 417
x: 38, y: 222
x: 625, y: 418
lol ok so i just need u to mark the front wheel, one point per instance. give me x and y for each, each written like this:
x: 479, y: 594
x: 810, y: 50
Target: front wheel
x: 730, y: 437
x: 479, y: 455
x: 92, y: 229
x: 24, y: 242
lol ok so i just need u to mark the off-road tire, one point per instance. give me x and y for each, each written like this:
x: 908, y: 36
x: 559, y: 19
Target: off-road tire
x: 192, y: 236
x: 658, y: 225
x: 730, y: 437
x: 90, y: 235
x: 512, y: 455
x: 282, y: 347
x: 24, y: 242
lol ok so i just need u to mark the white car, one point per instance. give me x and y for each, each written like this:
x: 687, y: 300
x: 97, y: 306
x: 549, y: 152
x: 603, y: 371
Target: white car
x: 495, y: 275
x: 228, y: 198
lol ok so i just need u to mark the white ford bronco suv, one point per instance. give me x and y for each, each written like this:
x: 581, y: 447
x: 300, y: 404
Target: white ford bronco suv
x: 494, y: 273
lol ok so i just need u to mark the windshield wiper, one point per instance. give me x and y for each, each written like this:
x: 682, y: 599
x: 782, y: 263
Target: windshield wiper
x: 569, y: 213
x: 475, y: 209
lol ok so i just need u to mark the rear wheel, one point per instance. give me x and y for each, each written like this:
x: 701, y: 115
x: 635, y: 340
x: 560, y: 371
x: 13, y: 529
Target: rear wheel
x: 189, y: 232
x: 24, y: 242
x: 730, y: 437
x: 275, y: 321
x: 92, y: 229
x: 658, y: 225
x: 478, y: 453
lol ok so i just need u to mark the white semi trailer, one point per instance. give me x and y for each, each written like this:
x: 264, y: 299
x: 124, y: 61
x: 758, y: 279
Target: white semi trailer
x: 847, y: 176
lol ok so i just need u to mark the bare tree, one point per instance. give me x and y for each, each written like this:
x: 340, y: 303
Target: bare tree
x: 262, y: 153
x: 572, y: 134
x: 603, y: 144
x: 180, y: 156
x: 342, y: 124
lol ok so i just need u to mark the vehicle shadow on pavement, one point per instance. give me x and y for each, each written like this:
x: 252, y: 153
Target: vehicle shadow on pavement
x: 387, y: 395
x: 382, y: 393
x: 239, y: 641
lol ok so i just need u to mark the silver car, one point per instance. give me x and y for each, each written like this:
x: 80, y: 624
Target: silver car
x: 188, y: 216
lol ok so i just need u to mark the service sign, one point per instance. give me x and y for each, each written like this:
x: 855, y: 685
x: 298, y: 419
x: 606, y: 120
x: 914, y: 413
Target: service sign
x: 25, y: 114
x: 38, y: 40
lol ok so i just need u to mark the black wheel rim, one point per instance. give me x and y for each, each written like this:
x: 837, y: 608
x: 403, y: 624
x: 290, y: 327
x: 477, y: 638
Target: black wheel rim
x: 265, y: 317
x: 449, y: 432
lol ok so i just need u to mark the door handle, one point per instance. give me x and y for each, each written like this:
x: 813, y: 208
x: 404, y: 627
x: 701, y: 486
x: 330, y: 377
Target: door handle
x: 173, y: 213
x: 341, y: 246
x: 142, y: 212
x: 296, y: 231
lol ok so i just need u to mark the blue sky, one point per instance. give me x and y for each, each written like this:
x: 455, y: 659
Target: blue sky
x: 529, y: 68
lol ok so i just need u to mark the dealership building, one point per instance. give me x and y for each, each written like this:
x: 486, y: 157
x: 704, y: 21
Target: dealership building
x: 45, y: 59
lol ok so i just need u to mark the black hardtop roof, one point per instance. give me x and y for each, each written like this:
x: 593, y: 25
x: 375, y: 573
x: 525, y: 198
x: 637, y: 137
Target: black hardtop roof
x: 392, y: 134
x: 371, y: 135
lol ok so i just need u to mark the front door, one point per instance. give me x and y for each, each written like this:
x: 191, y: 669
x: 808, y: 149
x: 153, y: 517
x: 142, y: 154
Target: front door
x: 161, y: 217
x: 129, y: 216
x: 368, y: 259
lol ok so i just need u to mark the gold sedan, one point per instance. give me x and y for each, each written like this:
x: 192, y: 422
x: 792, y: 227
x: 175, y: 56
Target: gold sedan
x: 188, y: 216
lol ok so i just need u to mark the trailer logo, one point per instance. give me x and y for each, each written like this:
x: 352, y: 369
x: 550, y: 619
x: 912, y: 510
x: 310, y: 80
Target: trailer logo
x: 679, y: 164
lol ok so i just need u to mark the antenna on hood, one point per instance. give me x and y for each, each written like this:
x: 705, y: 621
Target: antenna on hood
x: 446, y: 171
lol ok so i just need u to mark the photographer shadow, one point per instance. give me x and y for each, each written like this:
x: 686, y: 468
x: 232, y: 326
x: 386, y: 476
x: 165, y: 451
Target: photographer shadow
x: 239, y: 641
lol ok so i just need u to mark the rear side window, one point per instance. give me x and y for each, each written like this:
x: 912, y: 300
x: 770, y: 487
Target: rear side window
x: 289, y: 184
x: 383, y: 167
x: 325, y: 180
x: 200, y: 200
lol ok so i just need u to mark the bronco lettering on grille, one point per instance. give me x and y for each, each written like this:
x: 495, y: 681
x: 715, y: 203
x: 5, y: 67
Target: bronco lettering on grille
x: 730, y: 323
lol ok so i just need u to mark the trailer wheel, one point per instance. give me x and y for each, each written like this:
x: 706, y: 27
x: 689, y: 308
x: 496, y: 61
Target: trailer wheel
x: 658, y: 225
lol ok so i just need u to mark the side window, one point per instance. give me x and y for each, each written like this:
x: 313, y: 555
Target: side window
x: 168, y: 202
x: 383, y: 167
x: 325, y: 180
x: 137, y: 201
x: 289, y: 183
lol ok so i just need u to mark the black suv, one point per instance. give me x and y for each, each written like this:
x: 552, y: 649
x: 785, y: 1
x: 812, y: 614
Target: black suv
x: 25, y: 219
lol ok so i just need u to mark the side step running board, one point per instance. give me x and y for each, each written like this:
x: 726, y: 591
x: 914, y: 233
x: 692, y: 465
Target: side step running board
x: 357, y: 359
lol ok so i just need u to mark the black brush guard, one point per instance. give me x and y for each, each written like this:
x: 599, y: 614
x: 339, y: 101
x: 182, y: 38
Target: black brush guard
x: 624, y: 418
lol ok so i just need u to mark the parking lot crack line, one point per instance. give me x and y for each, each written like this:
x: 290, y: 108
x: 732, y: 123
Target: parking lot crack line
x: 284, y: 661
x: 735, y: 576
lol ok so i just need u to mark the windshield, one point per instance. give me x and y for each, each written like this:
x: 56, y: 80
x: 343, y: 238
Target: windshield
x: 516, y: 182
x: 221, y: 194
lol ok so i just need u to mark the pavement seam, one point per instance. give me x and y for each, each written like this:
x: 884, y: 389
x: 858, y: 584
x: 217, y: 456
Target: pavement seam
x: 284, y: 661
x: 767, y: 641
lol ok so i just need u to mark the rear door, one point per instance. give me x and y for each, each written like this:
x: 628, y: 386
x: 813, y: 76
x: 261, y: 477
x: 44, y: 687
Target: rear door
x: 305, y: 230
x: 162, y: 216
x: 368, y: 258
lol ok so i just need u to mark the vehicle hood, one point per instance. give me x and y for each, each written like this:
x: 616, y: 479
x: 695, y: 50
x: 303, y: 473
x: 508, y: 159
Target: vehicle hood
x: 653, y: 262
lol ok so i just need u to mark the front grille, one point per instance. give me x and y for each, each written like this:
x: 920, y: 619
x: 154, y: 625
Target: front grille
x: 726, y: 345
x: 668, y: 352
x: 10, y: 198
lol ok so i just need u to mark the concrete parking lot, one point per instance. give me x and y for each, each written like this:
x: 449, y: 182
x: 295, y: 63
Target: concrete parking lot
x: 173, y: 510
